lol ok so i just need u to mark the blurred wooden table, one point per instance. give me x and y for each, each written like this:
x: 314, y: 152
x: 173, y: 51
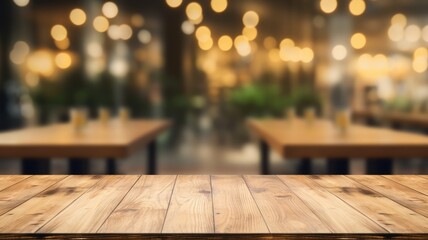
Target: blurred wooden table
x: 397, y: 119
x: 214, y: 206
x: 321, y: 139
x: 97, y: 140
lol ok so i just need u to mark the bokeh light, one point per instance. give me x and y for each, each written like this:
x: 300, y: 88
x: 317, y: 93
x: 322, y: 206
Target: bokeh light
x: 358, y: 40
x: 174, y: 3
x: 110, y: 9
x: 101, y: 24
x: 41, y: 62
x: 77, y: 16
x: 328, y: 6
x: 194, y: 11
x: 63, y: 44
x: 187, y: 27
x: 59, y: 32
x: 250, y: 19
x: 357, y: 7
x: 250, y: 33
x: 63, y: 60
x: 21, y: 3
x: 144, y: 36
x: 412, y: 33
x: 339, y: 52
x: 225, y: 43
x: 219, y: 5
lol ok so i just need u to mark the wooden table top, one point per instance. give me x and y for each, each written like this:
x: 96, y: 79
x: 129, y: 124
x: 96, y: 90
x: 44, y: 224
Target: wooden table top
x: 321, y: 138
x: 214, y: 204
x: 114, y: 139
x: 410, y: 119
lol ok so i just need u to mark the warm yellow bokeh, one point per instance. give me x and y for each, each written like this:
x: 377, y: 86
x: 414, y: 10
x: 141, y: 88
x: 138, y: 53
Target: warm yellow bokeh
x: 219, y: 5
x: 203, y: 33
x: 225, y: 43
x: 174, y: 3
x: 110, y: 9
x: 101, y: 24
x: 63, y: 60
x: 206, y: 44
x: 41, y: 62
x: 63, y: 44
x: 242, y: 45
x: 59, y: 32
x: 250, y: 33
x: 286, y: 42
x: 328, y: 6
x: 250, y: 19
x: 77, y: 16
x: 306, y: 55
x: 399, y: 19
x: 194, y: 11
x: 357, y: 7
x: 358, y: 40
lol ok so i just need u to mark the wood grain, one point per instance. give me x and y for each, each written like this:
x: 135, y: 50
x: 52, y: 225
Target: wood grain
x: 405, y: 196
x: 336, y: 214
x: 34, y: 213
x: 418, y: 183
x: 16, y: 194
x: 144, y: 207
x: 322, y: 139
x: 283, y: 211
x: 190, y: 210
x: 389, y: 214
x: 235, y: 210
x: 7, y: 180
x: 95, y: 140
x: 202, y: 206
x: 89, y: 212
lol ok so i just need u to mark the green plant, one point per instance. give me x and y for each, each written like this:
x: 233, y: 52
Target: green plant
x: 258, y: 100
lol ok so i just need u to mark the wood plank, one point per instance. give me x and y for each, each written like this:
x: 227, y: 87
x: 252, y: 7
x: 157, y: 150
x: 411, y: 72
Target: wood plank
x: 418, y: 183
x: 15, y: 195
x: 235, y: 210
x: 89, y: 212
x: 387, y: 213
x: 405, y: 196
x: 336, y: 214
x: 144, y: 208
x: 283, y: 211
x: 34, y: 213
x: 9, y: 180
x: 190, y: 210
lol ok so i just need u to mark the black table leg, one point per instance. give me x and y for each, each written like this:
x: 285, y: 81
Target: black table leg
x: 151, y: 158
x: 264, y: 158
x: 338, y: 166
x: 379, y: 166
x: 36, y: 166
x: 111, y: 166
x: 304, y: 167
x: 78, y: 166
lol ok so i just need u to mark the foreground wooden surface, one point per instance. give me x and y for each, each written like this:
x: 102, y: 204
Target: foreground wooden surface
x: 261, y: 205
x: 114, y: 139
x: 298, y: 138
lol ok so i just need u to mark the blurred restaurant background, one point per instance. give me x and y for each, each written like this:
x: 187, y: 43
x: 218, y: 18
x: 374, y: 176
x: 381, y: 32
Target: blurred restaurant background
x: 208, y: 66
